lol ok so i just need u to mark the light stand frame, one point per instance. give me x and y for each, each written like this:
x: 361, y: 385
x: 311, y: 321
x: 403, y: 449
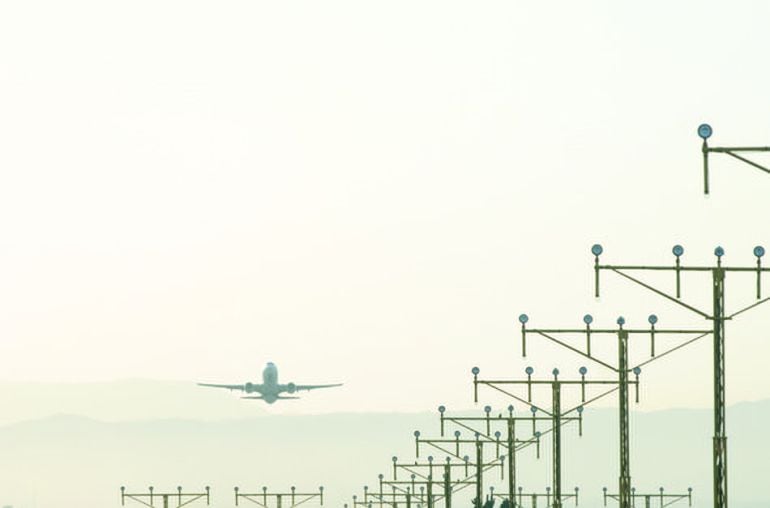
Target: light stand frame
x: 622, y: 369
x: 717, y: 316
x: 262, y: 498
x: 148, y: 499
x: 705, y: 131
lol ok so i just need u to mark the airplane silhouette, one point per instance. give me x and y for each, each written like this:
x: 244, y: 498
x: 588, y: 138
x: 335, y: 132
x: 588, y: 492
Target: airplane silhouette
x: 269, y: 390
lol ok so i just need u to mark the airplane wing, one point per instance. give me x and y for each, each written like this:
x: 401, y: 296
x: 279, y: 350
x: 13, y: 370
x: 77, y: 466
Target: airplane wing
x: 313, y: 387
x: 229, y: 387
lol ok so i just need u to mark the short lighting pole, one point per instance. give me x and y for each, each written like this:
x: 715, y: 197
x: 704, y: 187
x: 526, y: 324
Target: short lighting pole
x: 178, y: 498
x: 662, y: 499
x: 293, y: 497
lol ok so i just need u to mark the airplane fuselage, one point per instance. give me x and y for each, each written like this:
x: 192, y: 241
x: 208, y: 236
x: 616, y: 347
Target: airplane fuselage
x: 269, y: 389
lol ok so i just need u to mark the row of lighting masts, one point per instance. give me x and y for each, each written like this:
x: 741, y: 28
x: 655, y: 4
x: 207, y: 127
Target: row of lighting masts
x: 263, y: 498
x: 438, y: 481
x: 558, y: 416
x: 718, y: 317
x: 422, y: 475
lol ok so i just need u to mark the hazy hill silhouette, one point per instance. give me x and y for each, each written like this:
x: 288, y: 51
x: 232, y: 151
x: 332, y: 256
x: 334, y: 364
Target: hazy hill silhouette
x: 67, y: 460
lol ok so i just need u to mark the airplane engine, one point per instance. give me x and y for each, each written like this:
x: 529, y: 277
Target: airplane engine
x: 249, y: 387
x: 291, y: 388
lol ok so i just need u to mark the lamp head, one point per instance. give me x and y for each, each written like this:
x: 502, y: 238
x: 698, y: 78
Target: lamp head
x: 705, y: 131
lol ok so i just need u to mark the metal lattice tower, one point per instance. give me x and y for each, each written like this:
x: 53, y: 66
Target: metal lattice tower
x: 621, y: 368
x: 512, y: 444
x: 718, y: 316
x: 478, y: 445
x: 557, y: 416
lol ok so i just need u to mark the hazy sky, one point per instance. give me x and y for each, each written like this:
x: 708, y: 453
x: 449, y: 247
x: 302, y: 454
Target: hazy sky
x: 368, y: 192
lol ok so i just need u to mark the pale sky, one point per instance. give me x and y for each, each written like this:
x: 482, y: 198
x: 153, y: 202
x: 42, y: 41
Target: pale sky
x: 369, y: 192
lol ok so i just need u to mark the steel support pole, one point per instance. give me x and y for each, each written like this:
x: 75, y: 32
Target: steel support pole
x: 447, y: 486
x: 705, y: 167
x: 556, y: 443
x: 511, y: 463
x: 624, y: 496
x: 720, y: 434
x: 430, y: 491
x: 479, y: 475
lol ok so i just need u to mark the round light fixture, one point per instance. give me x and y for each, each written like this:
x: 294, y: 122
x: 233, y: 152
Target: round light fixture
x: 705, y: 131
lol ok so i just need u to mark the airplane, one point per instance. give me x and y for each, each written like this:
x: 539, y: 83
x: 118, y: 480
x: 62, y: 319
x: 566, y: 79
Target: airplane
x: 269, y: 390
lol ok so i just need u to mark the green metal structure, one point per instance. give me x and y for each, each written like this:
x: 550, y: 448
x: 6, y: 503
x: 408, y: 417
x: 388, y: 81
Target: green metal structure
x: 659, y: 498
x: 478, y: 445
x: 717, y: 315
x: 705, y: 131
x: 621, y: 368
x: 557, y: 416
x: 178, y: 498
x: 511, y: 445
x: 532, y: 497
x: 282, y: 499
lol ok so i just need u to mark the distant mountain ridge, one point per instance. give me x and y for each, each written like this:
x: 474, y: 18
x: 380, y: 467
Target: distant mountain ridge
x: 125, y: 400
x: 73, y: 460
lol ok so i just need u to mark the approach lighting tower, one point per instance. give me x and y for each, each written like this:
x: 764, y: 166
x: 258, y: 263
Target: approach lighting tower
x: 718, y: 317
x: 556, y: 415
x: 622, y: 368
x: 511, y: 444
